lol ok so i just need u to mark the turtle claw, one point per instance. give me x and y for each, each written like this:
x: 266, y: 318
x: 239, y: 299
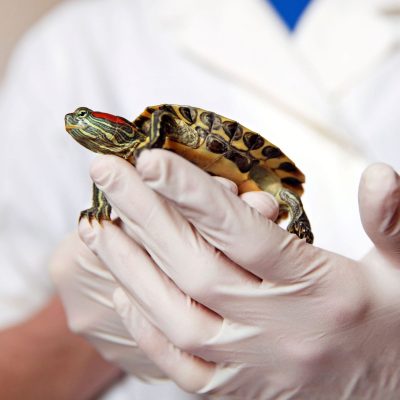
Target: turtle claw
x: 94, y: 214
x: 301, y: 228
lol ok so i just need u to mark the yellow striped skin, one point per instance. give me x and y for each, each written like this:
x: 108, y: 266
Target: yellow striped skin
x: 216, y: 144
x: 103, y: 133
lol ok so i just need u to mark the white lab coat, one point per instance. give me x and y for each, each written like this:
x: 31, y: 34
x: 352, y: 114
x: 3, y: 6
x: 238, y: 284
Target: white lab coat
x: 328, y: 96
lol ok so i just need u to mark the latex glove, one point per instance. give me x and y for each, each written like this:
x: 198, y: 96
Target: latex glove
x: 86, y: 288
x: 228, y: 303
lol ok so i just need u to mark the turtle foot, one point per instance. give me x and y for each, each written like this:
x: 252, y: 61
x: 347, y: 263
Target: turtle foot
x: 302, y: 228
x: 97, y: 214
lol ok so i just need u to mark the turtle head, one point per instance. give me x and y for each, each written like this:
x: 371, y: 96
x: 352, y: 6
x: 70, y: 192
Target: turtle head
x: 102, y: 133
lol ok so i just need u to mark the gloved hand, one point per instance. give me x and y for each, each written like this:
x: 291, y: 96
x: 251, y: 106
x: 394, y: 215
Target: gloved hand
x: 86, y: 288
x: 226, y: 302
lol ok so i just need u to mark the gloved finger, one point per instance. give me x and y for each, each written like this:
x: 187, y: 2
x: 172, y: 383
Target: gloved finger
x: 379, y: 199
x: 189, y: 372
x: 72, y: 257
x: 245, y: 236
x: 186, y: 323
x: 263, y: 202
x: 228, y: 184
x: 196, y: 267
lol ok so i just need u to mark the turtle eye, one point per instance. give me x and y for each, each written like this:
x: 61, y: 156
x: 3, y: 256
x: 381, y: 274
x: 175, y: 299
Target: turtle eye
x: 82, y: 112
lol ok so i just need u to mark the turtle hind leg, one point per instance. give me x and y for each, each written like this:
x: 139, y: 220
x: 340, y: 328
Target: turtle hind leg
x: 269, y: 182
x: 100, y: 210
x: 299, y: 223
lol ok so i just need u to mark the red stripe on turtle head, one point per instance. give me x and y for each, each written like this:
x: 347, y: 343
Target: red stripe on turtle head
x: 110, y: 118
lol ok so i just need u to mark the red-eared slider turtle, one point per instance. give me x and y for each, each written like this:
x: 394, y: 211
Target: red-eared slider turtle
x: 218, y: 145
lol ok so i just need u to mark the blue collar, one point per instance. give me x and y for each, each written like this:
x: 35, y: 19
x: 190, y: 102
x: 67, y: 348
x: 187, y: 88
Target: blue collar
x: 290, y: 11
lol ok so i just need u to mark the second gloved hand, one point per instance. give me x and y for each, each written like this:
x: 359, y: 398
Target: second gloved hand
x: 86, y: 289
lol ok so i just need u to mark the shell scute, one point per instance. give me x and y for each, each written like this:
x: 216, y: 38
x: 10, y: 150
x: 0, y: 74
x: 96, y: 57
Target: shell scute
x: 189, y: 113
x: 233, y: 129
x: 253, y: 140
x: 216, y: 144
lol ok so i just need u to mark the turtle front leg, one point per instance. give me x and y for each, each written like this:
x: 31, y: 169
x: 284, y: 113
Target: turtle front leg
x: 162, y: 124
x: 299, y: 223
x: 100, y: 210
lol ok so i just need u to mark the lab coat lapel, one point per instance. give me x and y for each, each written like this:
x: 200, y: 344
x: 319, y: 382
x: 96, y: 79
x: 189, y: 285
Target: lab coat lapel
x: 243, y: 41
x: 336, y: 43
x: 342, y: 40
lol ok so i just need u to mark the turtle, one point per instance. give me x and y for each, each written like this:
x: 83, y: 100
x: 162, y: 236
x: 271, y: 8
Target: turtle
x: 218, y: 145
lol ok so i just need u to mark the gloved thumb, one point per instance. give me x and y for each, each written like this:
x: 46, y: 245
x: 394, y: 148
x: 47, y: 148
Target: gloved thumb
x: 379, y: 202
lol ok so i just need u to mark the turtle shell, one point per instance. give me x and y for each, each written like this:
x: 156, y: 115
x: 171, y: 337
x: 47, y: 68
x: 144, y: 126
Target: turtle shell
x: 223, y: 147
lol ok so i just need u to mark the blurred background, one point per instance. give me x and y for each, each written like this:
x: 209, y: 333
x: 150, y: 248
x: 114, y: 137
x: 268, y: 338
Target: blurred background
x: 17, y: 17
